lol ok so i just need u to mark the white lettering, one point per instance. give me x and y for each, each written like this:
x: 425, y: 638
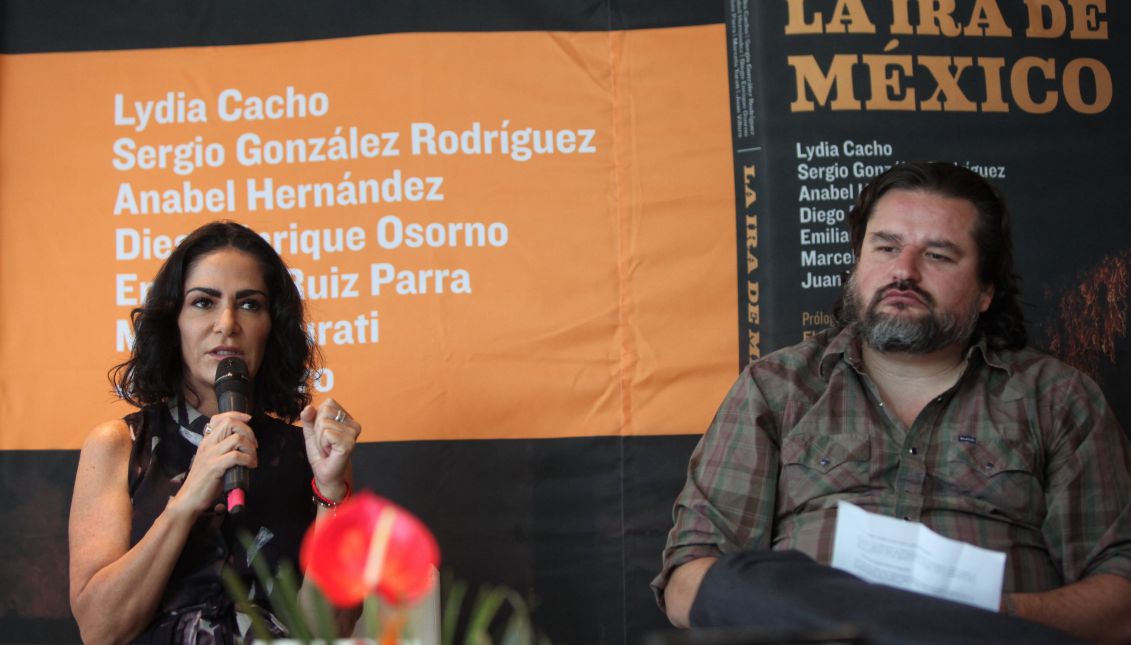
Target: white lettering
x: 231, y: 105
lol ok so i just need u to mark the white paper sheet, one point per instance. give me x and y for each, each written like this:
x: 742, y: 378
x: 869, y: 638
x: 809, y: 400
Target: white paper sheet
x: 911, y: 556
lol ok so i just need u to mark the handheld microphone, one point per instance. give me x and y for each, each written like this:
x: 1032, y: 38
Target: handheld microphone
x: 233, y: 389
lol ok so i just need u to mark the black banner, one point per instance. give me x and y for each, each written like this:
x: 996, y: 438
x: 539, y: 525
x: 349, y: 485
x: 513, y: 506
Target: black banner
x: 574, y: 525
x: 29, y: 26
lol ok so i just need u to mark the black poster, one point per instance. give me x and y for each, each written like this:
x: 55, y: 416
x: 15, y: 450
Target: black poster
x: 1032, y: 94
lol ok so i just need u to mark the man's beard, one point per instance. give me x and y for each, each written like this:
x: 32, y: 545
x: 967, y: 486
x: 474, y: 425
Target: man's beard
x: 908, y: 334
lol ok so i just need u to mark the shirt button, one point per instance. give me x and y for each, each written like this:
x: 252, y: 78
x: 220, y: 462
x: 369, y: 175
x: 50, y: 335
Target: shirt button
x: 913, y: 450
x: 989, y: 466
x: 824, y: 461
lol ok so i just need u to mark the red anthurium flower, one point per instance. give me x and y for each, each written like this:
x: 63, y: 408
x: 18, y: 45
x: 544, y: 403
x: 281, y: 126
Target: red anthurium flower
x: 370, y: 544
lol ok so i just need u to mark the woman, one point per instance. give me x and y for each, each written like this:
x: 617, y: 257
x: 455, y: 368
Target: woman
x: 149, y: 534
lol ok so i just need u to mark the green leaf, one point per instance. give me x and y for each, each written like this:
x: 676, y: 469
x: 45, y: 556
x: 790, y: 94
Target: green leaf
x: 457, y: 589
x: 284, y: 598
x: 371, y: 616
x: 239, y: 594
x: 284, y: 601
x: 487, y: 604
x: 327, y: 626
x: 518, y: 631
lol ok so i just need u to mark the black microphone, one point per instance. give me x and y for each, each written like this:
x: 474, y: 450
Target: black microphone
x: 233, y: 390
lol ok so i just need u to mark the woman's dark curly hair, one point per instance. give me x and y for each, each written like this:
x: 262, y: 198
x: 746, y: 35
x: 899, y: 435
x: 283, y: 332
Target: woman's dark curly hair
x: 155, y: 370
x: 1003, y: 323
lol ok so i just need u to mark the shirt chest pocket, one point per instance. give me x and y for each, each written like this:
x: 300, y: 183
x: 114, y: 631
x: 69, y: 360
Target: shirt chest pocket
x: 1000, y: 474
x: 814, y: 466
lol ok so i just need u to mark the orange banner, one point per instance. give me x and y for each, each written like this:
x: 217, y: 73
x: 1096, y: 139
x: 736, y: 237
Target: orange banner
x: 498, y: 235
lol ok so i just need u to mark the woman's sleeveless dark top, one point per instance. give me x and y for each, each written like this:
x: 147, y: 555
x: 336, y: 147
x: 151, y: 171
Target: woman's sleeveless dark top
x: 195, y: 607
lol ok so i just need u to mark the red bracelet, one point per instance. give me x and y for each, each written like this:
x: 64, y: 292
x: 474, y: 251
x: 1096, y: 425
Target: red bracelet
x: 321, y: 499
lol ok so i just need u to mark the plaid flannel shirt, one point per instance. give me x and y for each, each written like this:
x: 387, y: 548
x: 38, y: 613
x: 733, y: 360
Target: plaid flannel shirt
x: 1023, y: 455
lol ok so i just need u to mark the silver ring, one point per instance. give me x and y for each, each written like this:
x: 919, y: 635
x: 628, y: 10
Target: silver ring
x: 207, y: 429
x: 341, y: 415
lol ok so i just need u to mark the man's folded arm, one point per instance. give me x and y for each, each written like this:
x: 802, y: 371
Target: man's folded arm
x: 1088, y: 525
x: 1096, y: 609
x: 682, y: 587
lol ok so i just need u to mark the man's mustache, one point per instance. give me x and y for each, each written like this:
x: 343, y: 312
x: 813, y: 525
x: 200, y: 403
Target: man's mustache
x: 902, y: 285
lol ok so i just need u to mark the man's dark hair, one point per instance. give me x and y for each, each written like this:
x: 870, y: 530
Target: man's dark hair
x: 155, y: 370
x: 1002, y: 324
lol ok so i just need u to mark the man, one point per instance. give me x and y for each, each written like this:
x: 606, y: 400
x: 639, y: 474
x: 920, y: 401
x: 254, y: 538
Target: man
x: 923, y: 403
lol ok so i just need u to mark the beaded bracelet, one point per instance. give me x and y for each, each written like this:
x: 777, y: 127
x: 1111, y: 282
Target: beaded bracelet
x: 322, y: 500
